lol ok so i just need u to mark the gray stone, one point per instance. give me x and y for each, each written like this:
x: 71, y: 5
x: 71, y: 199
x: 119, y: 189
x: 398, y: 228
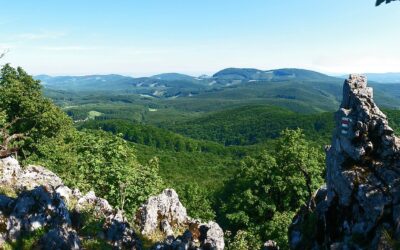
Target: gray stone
x: 41, y: 203
x: 118, y: 231
x: 35, y: 176
x: 362, y: 182
x: 9, y: 170
x: 214, y: 236
x: 35, y: 209
x: 165, y: 206
x: 91, y: 202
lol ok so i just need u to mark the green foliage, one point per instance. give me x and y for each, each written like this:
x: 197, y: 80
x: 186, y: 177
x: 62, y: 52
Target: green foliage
x: 254, y: 124
x: 26, y: 241
x: 101, y: 162
x: 90, y: 225
x: 21, y: 97
x: 267, y: 189
x: 96, y: 244
x: 191, y: 195
x: 277, y: 228
x: 243, y: 240
x: 154, y: 137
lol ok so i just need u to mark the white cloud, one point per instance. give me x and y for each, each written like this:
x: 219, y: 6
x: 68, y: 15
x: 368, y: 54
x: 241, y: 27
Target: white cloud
x: 67, y: 48
x: 41, y: 35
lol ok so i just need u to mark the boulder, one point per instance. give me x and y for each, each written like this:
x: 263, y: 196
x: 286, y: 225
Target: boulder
x: 165, y: 208
x: 35, y: 176
x: 35, y: 209
x: 91, y: 202
x: 211, y: 236
x: 165, y: 214
x: 60, y: 238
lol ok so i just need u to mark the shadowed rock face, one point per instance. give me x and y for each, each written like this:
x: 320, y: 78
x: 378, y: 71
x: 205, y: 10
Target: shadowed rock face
x: 360, y: 205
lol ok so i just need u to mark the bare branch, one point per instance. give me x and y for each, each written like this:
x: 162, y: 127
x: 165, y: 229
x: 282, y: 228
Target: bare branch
x: 11, y: 138
x: 2, y: 54
x: 7, y: 139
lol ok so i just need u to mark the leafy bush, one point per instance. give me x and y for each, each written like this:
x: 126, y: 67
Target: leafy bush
x: 197, y: 201
x: 266, y: 190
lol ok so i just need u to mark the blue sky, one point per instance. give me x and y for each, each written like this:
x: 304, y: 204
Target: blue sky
x: 199, y: 36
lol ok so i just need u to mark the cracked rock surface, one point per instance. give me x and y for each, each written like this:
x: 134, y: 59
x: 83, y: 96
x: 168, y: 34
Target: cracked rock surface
x: 359, y: 207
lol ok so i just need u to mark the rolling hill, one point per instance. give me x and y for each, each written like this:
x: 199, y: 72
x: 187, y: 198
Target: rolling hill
x: 296, y: 89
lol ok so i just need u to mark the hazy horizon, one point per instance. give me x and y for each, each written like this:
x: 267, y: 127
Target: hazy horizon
x: 194, y: 38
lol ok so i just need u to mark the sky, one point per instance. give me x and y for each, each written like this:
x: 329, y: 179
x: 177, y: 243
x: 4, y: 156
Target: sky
x: 146, y: 37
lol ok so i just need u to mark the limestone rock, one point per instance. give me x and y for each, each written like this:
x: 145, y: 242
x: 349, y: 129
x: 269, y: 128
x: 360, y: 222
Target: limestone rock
x: 164, y: 207
x: 357, y: 208
x: 90, y: 201
x: 118, y: 231
x: 9, y: 169
x: 165, y: 213
x: 212, y: 236
x: 41, y: 203
x: 35, y: 176
x: 35, y: 209
x: 60, y: 238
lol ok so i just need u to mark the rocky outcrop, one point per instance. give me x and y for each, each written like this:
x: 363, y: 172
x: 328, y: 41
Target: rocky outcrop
x: 359, y: 207
x: 162, y: 212
x: 43, y: 202
x: 38, y: 201
x: 165, y: 214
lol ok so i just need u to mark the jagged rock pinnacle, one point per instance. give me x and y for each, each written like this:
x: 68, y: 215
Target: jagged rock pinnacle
x: 360, y: 204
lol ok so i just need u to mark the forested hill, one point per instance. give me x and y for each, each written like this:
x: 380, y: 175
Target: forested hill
x: 296, y: 89
x: 253, y: 124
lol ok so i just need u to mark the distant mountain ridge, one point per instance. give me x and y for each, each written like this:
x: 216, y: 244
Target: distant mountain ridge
x: 223, y: 78
x: 296, y: 89
x: 384, y: 77
x: 173, y: 77
x: 269, y: 75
